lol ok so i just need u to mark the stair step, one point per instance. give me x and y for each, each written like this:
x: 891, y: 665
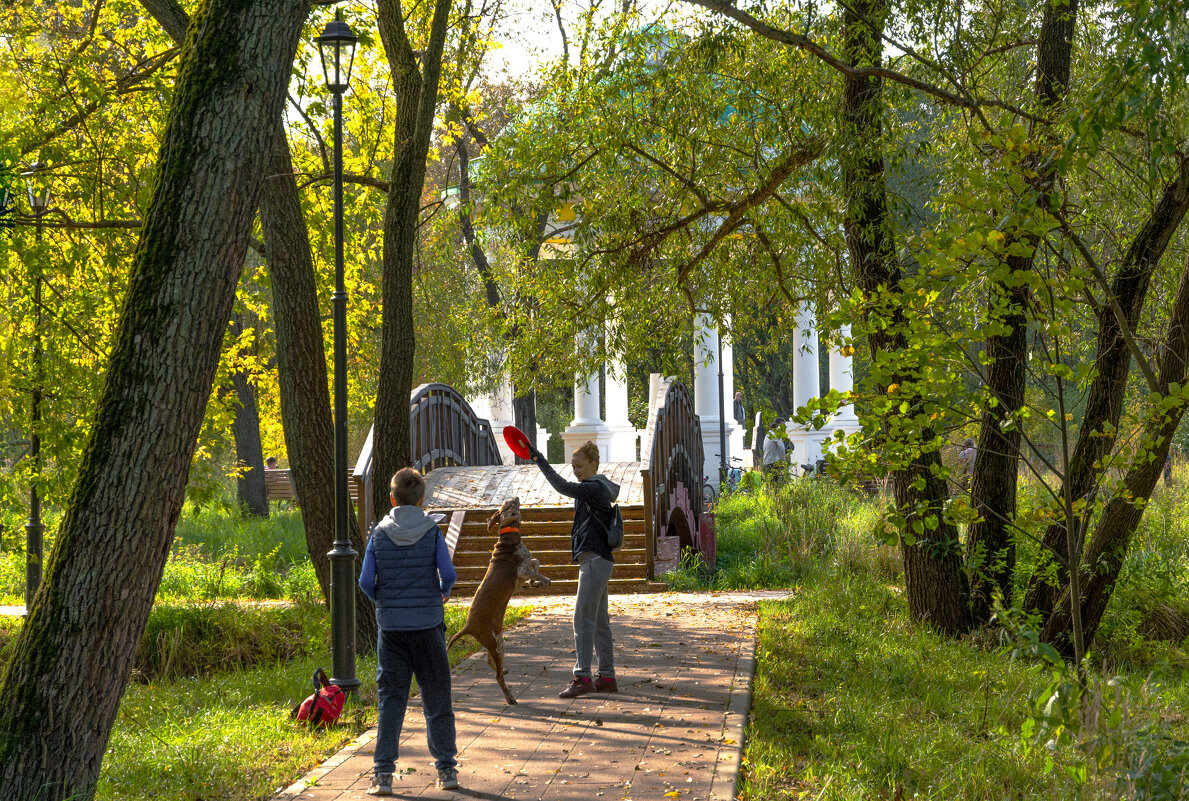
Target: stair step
x: 536, y: 543
x: 475, y: 573
x: 624, y: 556
x: 536, y: 513
x: 616, y: 586
x: 470, y: 529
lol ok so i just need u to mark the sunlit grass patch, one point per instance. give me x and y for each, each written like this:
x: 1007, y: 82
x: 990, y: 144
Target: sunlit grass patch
x: 852, y: 700
x: 228, y: 735
x: 773, y: 538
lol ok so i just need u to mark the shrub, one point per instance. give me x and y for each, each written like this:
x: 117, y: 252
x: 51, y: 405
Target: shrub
x: 774, y: 537
x: 195, y: 639
x: 191, y: 639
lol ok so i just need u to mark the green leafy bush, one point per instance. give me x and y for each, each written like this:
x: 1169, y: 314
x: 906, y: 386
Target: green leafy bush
x: 193, y: 639
x: 773, y: 537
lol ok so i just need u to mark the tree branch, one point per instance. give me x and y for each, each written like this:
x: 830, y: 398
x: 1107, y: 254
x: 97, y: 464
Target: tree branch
x: 1111, y: 301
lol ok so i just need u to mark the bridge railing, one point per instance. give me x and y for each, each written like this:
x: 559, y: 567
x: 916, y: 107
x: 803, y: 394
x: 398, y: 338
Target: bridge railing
x: 444, y: 431
x: 671, y: 452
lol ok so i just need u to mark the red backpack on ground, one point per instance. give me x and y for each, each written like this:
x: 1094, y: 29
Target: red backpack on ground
x: 324, y: 706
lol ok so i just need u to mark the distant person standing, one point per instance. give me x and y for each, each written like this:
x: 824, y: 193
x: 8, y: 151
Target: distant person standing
x: 776, y: 451
x: 966, y: 462
x: 739, y: 413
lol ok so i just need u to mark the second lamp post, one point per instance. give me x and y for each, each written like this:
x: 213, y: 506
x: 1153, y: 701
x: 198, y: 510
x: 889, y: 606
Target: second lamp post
x: 336, y: 46
x: 39, y: 201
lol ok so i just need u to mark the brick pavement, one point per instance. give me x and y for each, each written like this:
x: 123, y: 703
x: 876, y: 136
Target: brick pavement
x: 674, y: 731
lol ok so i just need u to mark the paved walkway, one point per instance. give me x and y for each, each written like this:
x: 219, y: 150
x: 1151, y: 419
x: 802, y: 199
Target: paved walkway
x: 674, y: 730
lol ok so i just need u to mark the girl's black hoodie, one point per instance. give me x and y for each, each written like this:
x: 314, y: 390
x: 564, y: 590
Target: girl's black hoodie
x: 592, y: 498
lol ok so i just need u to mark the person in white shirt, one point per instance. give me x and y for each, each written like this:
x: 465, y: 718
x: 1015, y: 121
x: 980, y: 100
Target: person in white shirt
x: 776, y: 451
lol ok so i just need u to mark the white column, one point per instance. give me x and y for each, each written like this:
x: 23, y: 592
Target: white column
x: 842, y: 375
x: 481, y: 406
x: 654, y: 386
x: 586, y: 400
x: 735, y: 435
x: 842, y: 379
x: 587, y: 425
x: 501, y: 416
x: 806, y: 385
x: 622, y: 447
x: 706, y: 396
x: 805, y: 367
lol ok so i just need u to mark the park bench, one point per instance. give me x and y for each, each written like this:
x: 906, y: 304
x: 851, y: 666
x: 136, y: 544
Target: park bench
x: 278, y: 486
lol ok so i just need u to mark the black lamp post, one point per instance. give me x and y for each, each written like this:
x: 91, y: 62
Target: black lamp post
x: 336, y: 46
x: 722, y: 419
x: 39, y: 201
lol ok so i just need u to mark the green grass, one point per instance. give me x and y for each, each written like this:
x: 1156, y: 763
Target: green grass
x: 853, y: 700
x: 216, y: 553
x: 228, y: 735
x: 216, y: 675
x: 191, y: 639
x: 771, y: 539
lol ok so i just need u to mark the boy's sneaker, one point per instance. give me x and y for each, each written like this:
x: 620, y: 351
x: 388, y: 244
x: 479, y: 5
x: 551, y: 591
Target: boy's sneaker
x: 581, y: 685
x: 605, y: 684
x: 448, y: 779
x: 381, y: 784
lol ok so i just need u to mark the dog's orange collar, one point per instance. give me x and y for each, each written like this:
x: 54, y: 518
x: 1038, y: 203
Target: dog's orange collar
x: 509, y: 529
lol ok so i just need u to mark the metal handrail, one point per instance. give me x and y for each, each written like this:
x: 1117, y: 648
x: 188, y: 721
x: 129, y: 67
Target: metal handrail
x: 444, y: 431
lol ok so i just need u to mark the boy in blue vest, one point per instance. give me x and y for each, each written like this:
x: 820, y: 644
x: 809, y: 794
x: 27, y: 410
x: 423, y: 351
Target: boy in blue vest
x: 407, y: 572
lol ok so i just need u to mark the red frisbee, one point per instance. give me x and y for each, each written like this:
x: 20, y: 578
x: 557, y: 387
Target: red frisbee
x: 517, y: 441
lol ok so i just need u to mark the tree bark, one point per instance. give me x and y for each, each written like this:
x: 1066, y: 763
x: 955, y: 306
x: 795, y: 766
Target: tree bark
x: 990, y: 546
x: 1107, y: 549
x: 301, y: 372
x: 937, y: 587
x: 301, y: 360
x: 416, y: 101
x: 249, y: 484
x: 468, y: 228
x: 1112, y: 366
x: 61, y: 690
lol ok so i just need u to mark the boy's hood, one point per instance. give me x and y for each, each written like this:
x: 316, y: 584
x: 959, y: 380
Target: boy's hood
x: 611, y: 486
x: 405, y: 525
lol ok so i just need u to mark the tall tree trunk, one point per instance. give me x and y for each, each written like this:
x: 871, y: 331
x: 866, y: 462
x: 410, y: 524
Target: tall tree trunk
x: 62, y: 687
x: 416, y: 101
x: 1107, y: 549
x: 524, y: 416
x: 1112, y: 366
x: 249, y: 484
x: 990, y: 547
x: 301, y: 360
x: 938, y: 592
x: 301, y: 371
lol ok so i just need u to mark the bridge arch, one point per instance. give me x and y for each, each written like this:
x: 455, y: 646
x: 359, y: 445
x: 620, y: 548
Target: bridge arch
x: 444, y: 431
x: 672, y: 453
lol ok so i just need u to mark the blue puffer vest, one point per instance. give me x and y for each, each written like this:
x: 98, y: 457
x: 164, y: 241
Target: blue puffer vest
x: 408, y: 593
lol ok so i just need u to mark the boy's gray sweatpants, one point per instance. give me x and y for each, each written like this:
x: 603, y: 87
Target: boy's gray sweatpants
x: 592, y: 623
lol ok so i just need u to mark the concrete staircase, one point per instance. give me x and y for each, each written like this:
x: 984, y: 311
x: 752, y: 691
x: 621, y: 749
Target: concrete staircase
x: 546, y: 532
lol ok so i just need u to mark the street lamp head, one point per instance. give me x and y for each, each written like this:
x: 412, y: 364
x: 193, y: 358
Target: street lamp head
x: 336, y: 47
x: 39, y: 199
x: 37, y: 187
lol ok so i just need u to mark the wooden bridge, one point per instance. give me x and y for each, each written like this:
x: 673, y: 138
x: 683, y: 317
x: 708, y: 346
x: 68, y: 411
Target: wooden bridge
x: 466, y: 481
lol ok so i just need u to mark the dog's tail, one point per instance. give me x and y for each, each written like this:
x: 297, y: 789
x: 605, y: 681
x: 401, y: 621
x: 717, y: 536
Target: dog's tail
x: 460, y: 632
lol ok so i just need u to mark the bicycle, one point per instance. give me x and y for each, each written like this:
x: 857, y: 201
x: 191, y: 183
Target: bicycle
x: 710, y: 488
